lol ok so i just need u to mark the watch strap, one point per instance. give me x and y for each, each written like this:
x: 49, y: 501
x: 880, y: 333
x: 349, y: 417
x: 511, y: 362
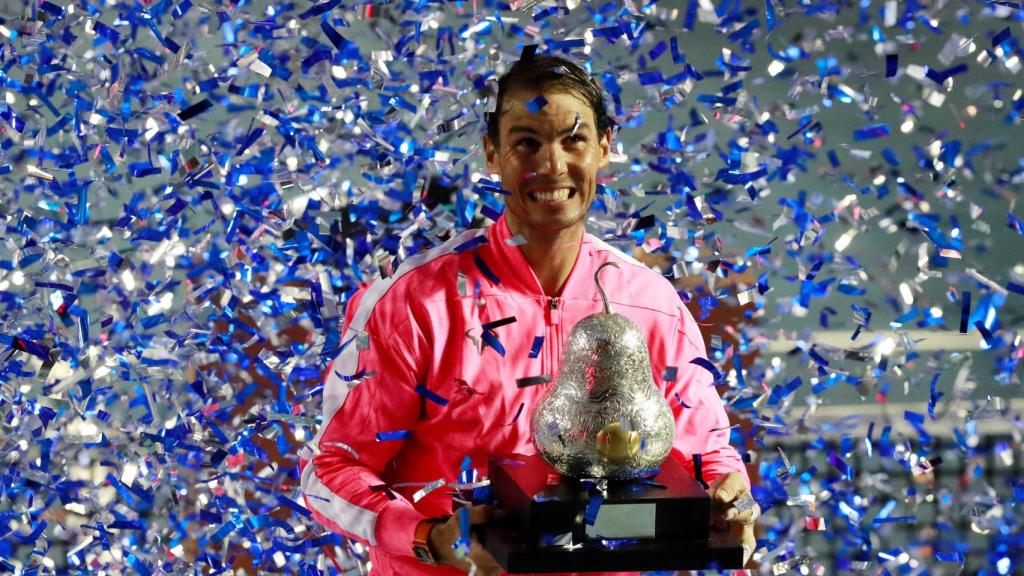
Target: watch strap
x: 421, y: 539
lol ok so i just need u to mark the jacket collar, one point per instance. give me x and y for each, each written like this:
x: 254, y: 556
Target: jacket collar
x: 516, y: 274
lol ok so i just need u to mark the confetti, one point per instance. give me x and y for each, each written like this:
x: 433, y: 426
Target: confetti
x: 538, y: 343
x: 871, y: 132
x: 536, y: 104
x: 498, y: 323
x: 195, y: 110
x: 744, y: 503
x: 892, y: 63
x: 698, y: 470
x: 432, y: 396
x: 670, y: 373
x: 519, y: 412
x: 187, y: 221
x: 491, y: 340
x: 517, y: 240
x: 393, y: 435
x: 533, y: 380
x: 486, y: 270
x: 965, y: 311
x: 707, y: 365
x: 422, y: 492
x: 592, y: 509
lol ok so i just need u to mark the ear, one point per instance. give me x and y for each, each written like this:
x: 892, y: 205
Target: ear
x: 606, y: 147
x: 491, y: 153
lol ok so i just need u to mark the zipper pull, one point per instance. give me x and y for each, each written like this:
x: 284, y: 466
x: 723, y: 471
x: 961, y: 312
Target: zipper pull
x: 553, y: 310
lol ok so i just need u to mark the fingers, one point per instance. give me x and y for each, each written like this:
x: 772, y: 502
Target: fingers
x: 743, y: 510
x: 747, y: 517
x: 726, y: 488
x: 731, y: 490
x: 483, y: 513
x: 485, y: 564
x: 478, y: 560
x: 442, y: 538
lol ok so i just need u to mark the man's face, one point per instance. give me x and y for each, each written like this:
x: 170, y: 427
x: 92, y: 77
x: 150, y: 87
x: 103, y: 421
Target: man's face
x: 548, y: 161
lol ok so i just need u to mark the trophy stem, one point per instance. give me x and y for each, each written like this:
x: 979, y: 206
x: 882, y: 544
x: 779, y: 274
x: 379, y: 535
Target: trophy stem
x: 604, y: 297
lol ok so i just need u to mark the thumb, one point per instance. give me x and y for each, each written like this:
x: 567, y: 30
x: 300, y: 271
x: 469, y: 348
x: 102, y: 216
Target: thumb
x: 746, y: 537
x: 719, y: 492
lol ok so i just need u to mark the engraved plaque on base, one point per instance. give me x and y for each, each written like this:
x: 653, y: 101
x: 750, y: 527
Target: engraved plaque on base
x: 559, y: 524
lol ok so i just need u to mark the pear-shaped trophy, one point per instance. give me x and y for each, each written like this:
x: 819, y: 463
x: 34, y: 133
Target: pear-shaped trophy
x: 604, y: 417
x: 602, y: 493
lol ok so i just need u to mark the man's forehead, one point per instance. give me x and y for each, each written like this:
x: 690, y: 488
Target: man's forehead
x: 576, y: 124
x: 559, y: 106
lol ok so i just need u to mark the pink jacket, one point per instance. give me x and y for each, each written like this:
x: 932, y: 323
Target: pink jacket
x: 429, y: 370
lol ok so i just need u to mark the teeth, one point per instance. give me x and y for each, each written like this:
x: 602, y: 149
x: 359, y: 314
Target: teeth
x: 551, y: 195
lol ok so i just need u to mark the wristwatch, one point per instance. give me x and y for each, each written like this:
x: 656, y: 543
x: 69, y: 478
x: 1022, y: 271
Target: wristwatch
x: 421, y: 539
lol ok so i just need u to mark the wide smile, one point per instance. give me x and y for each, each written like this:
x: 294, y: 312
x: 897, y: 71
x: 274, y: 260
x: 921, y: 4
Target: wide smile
x: 551, y: 195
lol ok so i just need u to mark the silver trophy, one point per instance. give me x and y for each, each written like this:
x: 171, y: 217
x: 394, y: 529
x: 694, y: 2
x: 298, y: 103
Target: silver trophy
x: 618, y: 503
x: 604, y: 417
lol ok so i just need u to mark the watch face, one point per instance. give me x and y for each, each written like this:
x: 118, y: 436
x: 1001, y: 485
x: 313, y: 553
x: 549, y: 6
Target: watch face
x: 423, y: 554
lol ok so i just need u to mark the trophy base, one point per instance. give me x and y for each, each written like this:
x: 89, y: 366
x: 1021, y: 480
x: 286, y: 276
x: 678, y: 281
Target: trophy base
x: 721, y: 551
x: 660, y: 523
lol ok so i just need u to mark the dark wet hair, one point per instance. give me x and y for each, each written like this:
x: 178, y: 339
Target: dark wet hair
x: 546, y: 72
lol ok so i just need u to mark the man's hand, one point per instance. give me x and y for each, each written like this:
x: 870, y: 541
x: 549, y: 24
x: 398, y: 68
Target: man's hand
x: 443, y: 537
x: 734, y: 509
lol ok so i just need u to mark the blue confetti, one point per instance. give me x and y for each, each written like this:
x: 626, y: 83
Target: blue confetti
x: 592, y: 510
x: 871, y: 132
x: 538, y: 343
x: 486, y: 270
x: 965, y: 311
x: 681, y: 402
x: 393, y: 435
x: 986, y: 334
x: 892, y: 64
x: 536, y: 104
x: 187, y: 227
x: 933, y: 396
x: 707, y: 365
x: 519, y: 412
x: 490, y: 339
x: 429, y: 395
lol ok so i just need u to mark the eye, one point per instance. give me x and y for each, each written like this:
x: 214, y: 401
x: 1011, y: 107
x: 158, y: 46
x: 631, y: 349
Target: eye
x: 527, y: 142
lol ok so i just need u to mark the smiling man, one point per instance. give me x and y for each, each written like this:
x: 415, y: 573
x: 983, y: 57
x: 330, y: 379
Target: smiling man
x: 445, y: 360
x: 548, y: 160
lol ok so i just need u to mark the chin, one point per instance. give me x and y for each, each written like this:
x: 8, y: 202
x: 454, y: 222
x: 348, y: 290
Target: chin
x: 552, y: 224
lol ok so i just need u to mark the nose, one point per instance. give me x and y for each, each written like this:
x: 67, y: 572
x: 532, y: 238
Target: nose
x: 552, y: 161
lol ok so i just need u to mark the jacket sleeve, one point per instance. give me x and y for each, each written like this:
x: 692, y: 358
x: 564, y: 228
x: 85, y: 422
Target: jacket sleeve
x: 702, y: 426
x: 366, y: 417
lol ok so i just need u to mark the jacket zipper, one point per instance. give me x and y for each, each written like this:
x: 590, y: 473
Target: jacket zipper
x: 552, y: 336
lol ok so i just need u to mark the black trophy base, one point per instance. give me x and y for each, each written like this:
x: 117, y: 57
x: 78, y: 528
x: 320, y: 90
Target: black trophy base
x: 657, y: 524
x: 721, y: 552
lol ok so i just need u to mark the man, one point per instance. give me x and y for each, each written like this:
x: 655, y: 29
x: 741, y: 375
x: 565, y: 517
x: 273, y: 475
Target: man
x: 426, y: 386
